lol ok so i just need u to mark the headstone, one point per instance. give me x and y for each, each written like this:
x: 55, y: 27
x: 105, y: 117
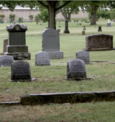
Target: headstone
x: 20, y: 70
x: 17, y: 42
x: 83, y: 55
x: 6, y: 61
x: 83, y: 32
x: 99, y: 42
x: 5, y: 43
x: 51, y: 43
x: 84, y: 28
x: 99, y: 28
x: 108, y: 23
x: 76, y: 69
x: 42, y: 58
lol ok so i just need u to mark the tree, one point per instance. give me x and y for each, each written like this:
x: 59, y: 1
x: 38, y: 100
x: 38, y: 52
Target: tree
x: 67, y: 10
x: 52, y: 7
x: 92, y: 6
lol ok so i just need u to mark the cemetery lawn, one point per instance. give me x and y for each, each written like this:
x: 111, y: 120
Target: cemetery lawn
x: 52, y: 79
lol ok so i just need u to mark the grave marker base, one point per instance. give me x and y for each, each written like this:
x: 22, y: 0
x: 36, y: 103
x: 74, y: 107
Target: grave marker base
x: 19, y: 55
x: 55, y: 54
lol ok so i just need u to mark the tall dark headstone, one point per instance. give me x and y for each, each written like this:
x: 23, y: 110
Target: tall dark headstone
x: 20, y: 70
x: 17, y: 42
x: 42, y: 58
x: 76, y: 69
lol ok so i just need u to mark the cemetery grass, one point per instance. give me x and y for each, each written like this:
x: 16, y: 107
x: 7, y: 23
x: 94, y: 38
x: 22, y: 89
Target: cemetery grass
x: 52, y: 79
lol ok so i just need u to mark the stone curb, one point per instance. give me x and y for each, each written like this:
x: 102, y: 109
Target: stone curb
x: 10, y: 103
x: 70, y: 97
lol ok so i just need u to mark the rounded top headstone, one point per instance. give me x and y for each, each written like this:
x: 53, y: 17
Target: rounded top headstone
x: 108, y: 21
x: 16, y: 28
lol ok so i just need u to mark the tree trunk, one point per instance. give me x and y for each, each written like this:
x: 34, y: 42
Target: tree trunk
x: 52, y: 14
x: 93, y: 14
x: 93, y: 19
x: 66, y: 26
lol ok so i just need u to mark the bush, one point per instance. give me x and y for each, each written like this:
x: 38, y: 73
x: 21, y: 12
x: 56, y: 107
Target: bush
x: 2, y: 18
x: 20, y: 19
x: 12, y: 17
x: 31, y: 17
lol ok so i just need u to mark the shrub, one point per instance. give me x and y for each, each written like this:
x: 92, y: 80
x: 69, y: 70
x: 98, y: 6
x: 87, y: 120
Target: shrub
x: 12, y: 17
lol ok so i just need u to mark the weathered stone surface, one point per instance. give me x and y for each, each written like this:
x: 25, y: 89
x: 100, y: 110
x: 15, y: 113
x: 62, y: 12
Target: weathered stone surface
x: 50, y: 40
x: 83, y: 55
x: 6, y: 61
x: 55, y: 54
x: 99, y: 42
x: 51, y: 43
x: 19, y: 55
x: 16, y: 28
x: 17, y: 42
x: 42, y: 58
x: 71, y: 97
x: 20, y: 70
x: 17, y: 38
x: 76, y: 69
x: 34, y: 99
x: 5, y: 43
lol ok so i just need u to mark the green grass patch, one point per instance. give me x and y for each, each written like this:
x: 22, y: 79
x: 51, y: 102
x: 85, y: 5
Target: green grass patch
x: 52, y: 79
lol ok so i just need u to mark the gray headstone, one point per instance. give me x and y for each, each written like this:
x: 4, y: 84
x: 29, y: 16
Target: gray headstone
x: 5, y: 43
x: 20, y: 70
x: 108, y: 23
x: 42, y: 58
x: 6, y: 61
x: 51, y: 43
x: 83, y: 55
x: 50, y: 40
x: 76, y: 69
